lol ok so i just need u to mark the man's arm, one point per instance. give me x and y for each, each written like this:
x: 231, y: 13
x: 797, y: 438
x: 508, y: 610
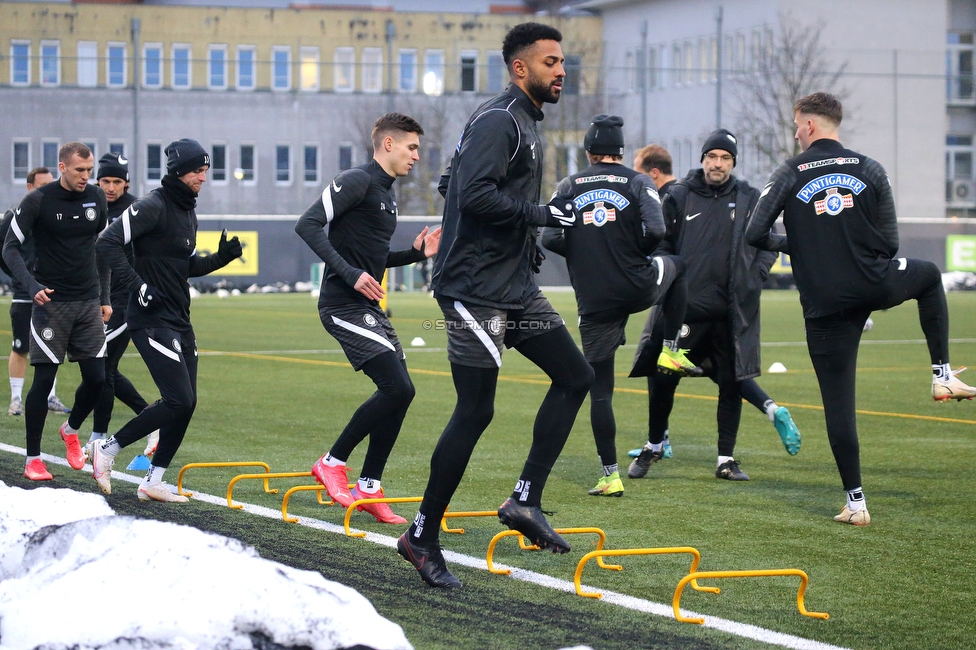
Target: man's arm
x: 228, y: 250
x: 885, y: 219
x: 554, y: 238
x: 651, y: 213
x: 110, y: 244
x: 772, y: 200
x: 20, y: 229
x: 425, y: 245
x: 671, y: 212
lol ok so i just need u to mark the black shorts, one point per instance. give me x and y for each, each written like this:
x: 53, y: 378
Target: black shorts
x: 20, y: 318
x: 74, y: 327
x: 363, y: 331
x: 475, y: 333
x: 601, y: 339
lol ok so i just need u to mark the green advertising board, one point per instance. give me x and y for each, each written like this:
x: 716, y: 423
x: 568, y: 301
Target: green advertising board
x: 961, y: 253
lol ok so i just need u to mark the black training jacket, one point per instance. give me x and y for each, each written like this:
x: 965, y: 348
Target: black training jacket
x: 27, y: 252
x: 360, y: 208
x: 841, y: 229
x: 120, y: 291
x: 607, y: 254
x: 63, y: 225
x: 491, y: 211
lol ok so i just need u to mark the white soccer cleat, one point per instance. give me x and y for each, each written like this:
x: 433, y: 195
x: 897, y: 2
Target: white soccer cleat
x: 159, y: 492
x: 101, y: 465
x: 952, y: 388
x: 854, y: 517
x: 151, y: 443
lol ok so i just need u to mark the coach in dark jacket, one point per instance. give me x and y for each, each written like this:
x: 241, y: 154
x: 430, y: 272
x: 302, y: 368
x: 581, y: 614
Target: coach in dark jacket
x: 706, y: 214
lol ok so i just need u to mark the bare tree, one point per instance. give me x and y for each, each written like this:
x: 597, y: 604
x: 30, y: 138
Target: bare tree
x: 789, y: 65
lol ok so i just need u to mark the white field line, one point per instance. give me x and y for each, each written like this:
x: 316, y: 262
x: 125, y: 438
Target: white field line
x: 621, y: 600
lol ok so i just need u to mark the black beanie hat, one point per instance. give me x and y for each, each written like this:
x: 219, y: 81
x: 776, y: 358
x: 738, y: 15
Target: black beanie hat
x: 183, y: 156
x: 721, y: 139
x: 115, y: 165
x: 605, y: 136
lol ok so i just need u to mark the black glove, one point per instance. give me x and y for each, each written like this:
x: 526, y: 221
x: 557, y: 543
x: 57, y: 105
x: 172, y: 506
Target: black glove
x: 229, y: 250
x: 147, y: 297
x: 562, y: 213
x: 537, y: 259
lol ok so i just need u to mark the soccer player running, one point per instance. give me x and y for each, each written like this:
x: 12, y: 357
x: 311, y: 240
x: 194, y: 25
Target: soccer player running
x: 842, y: 238
x: 360, y: 209
x: 613, y: 275
x: 20, y: 311
x: 655, y: 161
x: 113, y: 178
x: 70, y: 291
x: 162, y: 229
x: 484, y: 284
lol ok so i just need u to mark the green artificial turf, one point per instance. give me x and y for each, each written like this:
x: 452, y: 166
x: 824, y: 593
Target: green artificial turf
x: 903, y: 582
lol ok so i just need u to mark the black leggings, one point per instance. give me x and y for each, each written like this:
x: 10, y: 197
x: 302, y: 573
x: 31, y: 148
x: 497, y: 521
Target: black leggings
x: 601, y: 411
x: 174, y: 369
x: 557, y: 355
x: 381, y: 416
x: 35, y: 406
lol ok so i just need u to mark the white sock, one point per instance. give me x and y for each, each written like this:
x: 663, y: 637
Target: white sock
x: 16, y: 387
x: 610, y: 469
x: 329, y: 461
x: 96, y: 436
x: 29, y: 459
x: 53, y: 388
x: 667, y: 440
x: 855, y: 499
x: 68, y: 429
x: 771, y: 408
x: 723, y: 459
x: 942, y: 371
x: 154, y: 475
x: 111, y: 447
x: 657, y: 447
x: 368, y: 485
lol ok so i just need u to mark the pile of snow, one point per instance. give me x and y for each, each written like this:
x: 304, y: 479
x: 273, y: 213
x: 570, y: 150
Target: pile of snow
x: 959, y: 281
x: 69, y: 567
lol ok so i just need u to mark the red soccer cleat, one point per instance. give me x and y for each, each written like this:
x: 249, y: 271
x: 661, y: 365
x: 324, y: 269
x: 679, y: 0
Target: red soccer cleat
x: 36, y: 470
x: 381, y: 511
x: 76, y: 457
x: 335, y: 481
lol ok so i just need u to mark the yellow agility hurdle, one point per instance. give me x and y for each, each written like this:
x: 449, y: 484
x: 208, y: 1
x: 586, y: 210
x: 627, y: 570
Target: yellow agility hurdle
x: 359, y: 502
x: 461, y: 513
x: 562, y: 531
x: 302, y: 488
x: 663, y: 550
x: 265, y: 477
x: 179, y: 479
x: 760, y: 573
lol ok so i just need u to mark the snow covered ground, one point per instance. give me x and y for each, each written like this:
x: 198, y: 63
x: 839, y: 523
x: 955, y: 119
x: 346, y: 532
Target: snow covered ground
x: 75, y: 575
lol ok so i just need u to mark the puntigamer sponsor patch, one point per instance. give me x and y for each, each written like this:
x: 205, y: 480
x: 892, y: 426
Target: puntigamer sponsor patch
x: 822, y: 183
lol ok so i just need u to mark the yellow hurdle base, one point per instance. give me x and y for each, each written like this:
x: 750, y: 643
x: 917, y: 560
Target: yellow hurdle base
x: 761, y: 573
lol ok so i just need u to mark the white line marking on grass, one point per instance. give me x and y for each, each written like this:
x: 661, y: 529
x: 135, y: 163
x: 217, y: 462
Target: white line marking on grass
x: 611, y: 597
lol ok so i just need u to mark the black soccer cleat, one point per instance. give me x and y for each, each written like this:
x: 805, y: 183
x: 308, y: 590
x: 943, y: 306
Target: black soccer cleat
x: 428, y: 561
x: 638, y: 468
x: 729, y: 470
x: 529, y: 521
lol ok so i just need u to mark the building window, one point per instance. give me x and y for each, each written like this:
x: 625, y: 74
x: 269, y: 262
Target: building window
x: 281, y: 67
x: 245, y: 67
x: 118, y: 148
x: 372, y: 70
x: 469, y: 72
x: 283, y: 164
x: 496, y: 72
x: 434, y: 72
x: 87, y: 64
x: 345, y: 157
x: 344, y: 63
x: 308, y: 69
x: 676, y: 76
x: 20, y: 63
x: 115, y: 70
x: 246, y: 170
x: 573, y: 66
x: 152, y: 65
x: 688, y: 63
x: 154, y: 162
x: 49, y: 154
x: 218, y: 163
x: 739, y: 58
x: 182, y: 71
x: 652, y: 75
x: 50, y: 63
x: 311, y: 164
x: 408, y: 71
x: 94, y: 149
x: 960, y: 177
x: 21, y: 160
x: 959, y: 69
x: 217, y: 67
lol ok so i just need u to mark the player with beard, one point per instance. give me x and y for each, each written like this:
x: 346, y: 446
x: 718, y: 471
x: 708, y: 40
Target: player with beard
x: 484, y: 284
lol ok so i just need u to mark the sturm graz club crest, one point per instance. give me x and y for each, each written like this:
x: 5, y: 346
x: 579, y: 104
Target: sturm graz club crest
x: 599, y: 215
x: 834, y: 202
x: 370, y: 320
x: 90, y: 214
x: 176, y: 345
x: 47, y: 333
x: 494, y: 325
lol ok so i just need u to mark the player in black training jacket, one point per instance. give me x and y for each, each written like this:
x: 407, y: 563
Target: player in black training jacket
x: 611, y: 270
x: 360, y: 209
x: 484, y: 284
x: 70, y: 293
x: 113, y: 178
x: 842, y: 237
x: 162, y: 228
